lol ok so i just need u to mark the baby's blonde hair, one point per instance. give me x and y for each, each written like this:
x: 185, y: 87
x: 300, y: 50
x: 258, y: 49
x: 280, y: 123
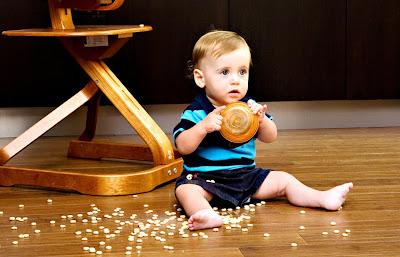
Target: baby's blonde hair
x: 216, y: 43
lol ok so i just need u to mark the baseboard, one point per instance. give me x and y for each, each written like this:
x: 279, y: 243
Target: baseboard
x: 287, y: 115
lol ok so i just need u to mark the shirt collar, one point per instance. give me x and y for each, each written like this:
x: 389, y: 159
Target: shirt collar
x: 202, y: 99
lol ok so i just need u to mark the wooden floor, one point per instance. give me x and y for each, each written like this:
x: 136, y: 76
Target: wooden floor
x: 368, y: 157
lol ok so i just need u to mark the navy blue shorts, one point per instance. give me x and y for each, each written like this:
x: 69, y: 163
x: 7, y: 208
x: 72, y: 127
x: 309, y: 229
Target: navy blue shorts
x: 230, y: 188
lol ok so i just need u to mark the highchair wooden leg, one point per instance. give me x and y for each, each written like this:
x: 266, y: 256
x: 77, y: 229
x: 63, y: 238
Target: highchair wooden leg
x: 159, y: 144
x: 166, y: 160
x: 52, y: 119
x: 91, y: 120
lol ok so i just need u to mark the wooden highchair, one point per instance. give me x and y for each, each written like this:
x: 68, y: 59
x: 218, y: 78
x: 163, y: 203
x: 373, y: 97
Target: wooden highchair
x: 89, y: 45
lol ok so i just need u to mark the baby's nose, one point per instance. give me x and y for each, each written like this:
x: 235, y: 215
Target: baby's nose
x: 234, y: 79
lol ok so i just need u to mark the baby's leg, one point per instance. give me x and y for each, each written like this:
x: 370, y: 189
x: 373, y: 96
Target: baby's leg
x: 195, y: 200
x: 280, y: 183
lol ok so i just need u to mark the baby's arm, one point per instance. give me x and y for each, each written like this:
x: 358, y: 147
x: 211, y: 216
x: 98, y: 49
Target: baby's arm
x: 188, y: 141
x: 267, y: 131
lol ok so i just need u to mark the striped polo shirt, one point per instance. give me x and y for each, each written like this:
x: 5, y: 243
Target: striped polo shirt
x: 214, y: 152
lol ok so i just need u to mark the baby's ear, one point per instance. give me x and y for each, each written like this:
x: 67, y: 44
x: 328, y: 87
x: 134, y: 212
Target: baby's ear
x: 199, y: 78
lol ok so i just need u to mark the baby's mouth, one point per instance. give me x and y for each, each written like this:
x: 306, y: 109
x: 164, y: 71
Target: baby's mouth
x: 234, y: 92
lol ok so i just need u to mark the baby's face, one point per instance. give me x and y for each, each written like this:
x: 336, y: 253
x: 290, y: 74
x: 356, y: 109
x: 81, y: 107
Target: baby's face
x: 226, y: 77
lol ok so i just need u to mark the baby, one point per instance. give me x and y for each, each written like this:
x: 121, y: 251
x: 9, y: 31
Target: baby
x: 220, y: 172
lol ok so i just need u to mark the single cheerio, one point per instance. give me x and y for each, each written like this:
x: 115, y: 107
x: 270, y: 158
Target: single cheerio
x: 239, y: 123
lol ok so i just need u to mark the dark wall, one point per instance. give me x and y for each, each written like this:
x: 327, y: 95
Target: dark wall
x: 298, y: 47
x: 302, y: 49
x: 373, y: 62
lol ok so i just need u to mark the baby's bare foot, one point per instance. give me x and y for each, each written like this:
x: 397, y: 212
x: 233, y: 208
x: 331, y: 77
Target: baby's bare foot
x: 203, y: 219
x: 335, y: 197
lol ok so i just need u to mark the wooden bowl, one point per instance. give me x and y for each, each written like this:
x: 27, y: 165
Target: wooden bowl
x: 239, y: 123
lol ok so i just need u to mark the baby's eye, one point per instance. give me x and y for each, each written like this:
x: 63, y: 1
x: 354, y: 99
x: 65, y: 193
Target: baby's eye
x: 242, y: 72
x: 224, y: 72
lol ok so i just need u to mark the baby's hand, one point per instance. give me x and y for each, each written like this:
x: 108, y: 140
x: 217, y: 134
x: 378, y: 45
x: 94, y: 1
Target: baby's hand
x: 213, y: 121
x: 257, y: 109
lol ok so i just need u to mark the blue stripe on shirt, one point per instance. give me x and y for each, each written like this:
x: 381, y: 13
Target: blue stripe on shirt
x: 217, y: 153
x: 215, y: 168
x: 194, y: 116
